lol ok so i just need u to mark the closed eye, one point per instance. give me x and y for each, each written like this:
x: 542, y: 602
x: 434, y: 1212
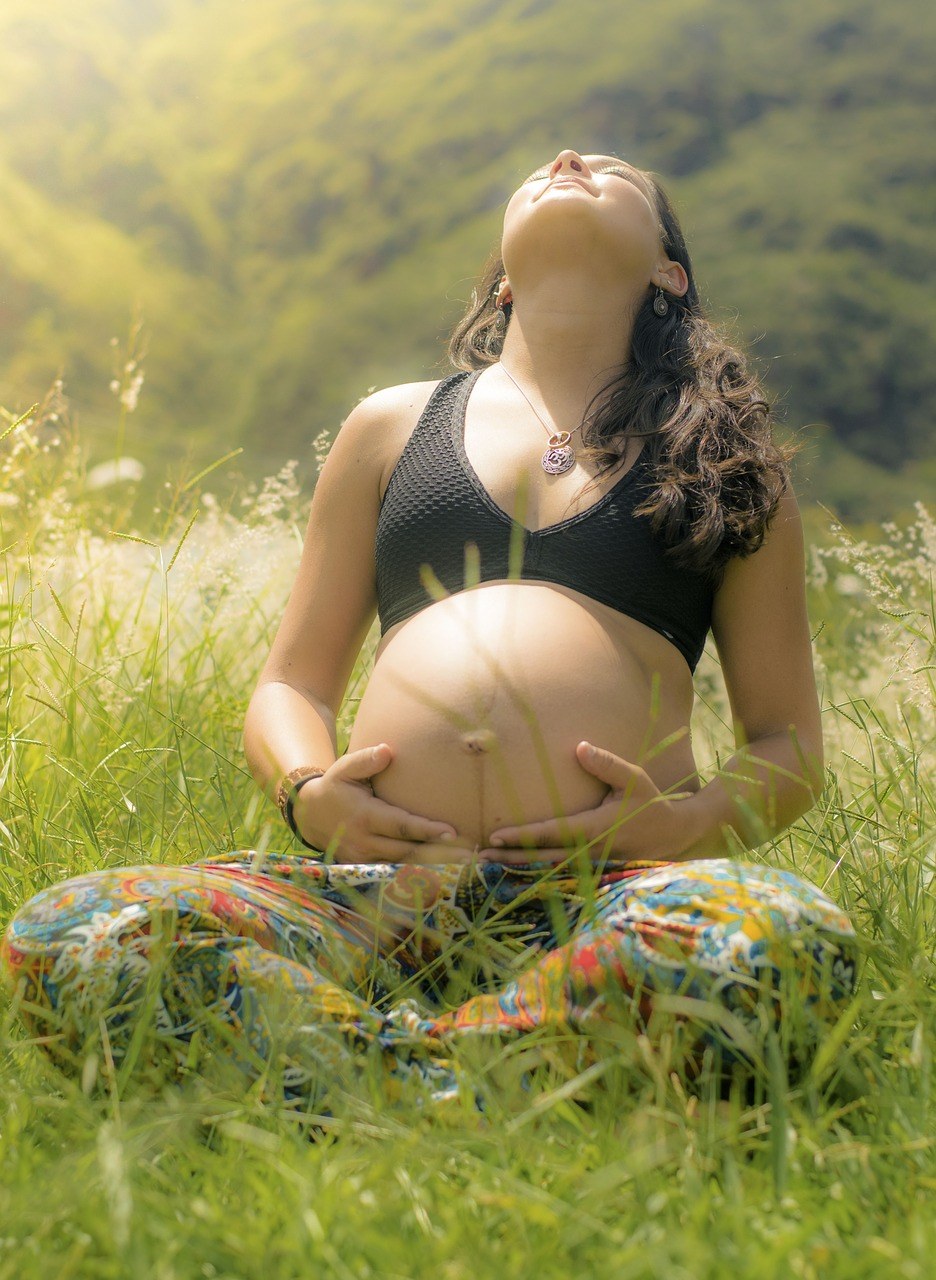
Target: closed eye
x: 618, y: 169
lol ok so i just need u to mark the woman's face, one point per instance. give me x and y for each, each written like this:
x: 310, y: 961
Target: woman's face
x: 576, y: 206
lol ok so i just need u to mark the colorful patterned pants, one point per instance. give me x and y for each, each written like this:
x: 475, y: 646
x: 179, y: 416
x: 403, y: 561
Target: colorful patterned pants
x: 294, y: 971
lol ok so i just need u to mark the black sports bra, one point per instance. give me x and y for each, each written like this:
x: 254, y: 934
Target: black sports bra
x: 435, y: 507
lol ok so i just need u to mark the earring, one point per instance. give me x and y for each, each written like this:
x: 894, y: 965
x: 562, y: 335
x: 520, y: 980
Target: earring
x: 500, y: 320
x: 660, y: 305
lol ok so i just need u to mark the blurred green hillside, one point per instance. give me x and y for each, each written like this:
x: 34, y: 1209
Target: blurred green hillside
x: 296, y: 195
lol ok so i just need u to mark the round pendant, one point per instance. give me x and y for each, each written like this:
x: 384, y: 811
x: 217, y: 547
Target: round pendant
x: 559, y: 457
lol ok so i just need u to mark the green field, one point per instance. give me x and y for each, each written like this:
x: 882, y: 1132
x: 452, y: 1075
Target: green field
x: 296, y: 197
x: 125, y: 668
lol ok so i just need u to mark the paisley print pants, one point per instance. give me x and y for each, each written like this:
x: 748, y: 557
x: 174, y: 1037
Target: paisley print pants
x: 287, y: 969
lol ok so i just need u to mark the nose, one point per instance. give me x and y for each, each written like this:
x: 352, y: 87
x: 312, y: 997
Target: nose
x: 569, y: 162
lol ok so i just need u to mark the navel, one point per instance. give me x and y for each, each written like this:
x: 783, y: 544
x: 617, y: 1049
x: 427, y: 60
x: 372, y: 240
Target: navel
x: 478, y: 742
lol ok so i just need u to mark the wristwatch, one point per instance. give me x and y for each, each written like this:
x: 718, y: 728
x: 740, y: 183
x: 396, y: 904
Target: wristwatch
x: 286, y: 793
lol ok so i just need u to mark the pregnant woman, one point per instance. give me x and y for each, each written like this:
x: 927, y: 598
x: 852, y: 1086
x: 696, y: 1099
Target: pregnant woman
x: 516, y: 837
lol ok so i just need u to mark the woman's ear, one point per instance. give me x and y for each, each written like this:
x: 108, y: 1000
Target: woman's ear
x: 504, y: 296
x: 672, y: 277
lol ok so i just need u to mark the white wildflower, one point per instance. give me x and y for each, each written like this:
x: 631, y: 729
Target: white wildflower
x: 849, y: 584
x: 131, y: 394
x: 117, y: 471
x: 320, y: 448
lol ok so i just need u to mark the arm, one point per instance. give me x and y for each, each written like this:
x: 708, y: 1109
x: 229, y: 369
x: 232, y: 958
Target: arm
x: 761, y: 629
x: 762, y: 632
x: 291, y: 718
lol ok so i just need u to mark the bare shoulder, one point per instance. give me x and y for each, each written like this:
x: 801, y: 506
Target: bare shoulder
x: 760, y: 605
x: 779, y: 557
x: 378, y: 427
x: 787, y: 522
x: 406, y: 397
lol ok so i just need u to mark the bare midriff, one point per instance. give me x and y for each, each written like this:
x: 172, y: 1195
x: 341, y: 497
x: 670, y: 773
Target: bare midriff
x: 484, y: 696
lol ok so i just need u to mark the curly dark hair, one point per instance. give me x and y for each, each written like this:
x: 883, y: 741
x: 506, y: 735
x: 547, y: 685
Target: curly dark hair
x: 690, y: 394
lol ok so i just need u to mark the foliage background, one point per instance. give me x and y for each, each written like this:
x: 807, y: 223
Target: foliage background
x: 295, y: 196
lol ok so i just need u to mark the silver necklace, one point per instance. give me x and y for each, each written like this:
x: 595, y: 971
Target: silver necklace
x: 559, y: 456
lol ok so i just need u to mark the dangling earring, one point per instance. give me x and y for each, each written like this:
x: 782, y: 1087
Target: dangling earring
x: 660, y: 305
x: 500, y: 320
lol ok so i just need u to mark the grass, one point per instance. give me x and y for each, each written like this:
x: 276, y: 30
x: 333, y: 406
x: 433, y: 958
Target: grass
x: 125, y: 665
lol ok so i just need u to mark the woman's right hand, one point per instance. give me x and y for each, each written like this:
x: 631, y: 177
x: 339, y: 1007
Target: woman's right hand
x: 339, y: 812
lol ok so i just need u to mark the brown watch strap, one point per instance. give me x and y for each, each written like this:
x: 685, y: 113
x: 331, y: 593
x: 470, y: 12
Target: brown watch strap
x: 286, y: 794
x: 289, y: 785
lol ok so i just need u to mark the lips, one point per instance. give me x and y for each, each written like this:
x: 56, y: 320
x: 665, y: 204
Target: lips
x: 566, y: 180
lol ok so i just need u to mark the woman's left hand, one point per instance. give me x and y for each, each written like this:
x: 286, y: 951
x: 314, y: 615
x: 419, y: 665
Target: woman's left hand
x: 636, y: 821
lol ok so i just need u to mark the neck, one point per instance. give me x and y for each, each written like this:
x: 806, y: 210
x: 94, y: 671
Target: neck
x: 563, y: 348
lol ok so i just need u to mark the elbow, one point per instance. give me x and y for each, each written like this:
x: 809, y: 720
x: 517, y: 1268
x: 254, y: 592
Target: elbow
x: 799, y: 756
x: 261, y: 719
x: 811, y: 762
x: 251, y: 740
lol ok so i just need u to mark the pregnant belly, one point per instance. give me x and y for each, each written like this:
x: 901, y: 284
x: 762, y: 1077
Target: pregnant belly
x: 484, y: 696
